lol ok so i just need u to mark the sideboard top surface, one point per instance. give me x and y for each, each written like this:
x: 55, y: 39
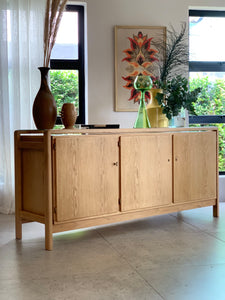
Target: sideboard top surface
x: 119, y: 131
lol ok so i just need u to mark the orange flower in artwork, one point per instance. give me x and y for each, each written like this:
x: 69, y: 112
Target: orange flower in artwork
x: 139, y: 57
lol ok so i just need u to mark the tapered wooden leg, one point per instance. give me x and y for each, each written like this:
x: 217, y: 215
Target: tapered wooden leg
x: 18, y: 228
x: 18, y: 191
x: 216, y: 210
x: 216, y: 206
x: 48, y: 238
x: 48, y: 191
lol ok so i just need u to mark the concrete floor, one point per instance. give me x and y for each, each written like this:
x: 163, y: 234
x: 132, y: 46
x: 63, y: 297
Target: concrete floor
x: 173, y: 257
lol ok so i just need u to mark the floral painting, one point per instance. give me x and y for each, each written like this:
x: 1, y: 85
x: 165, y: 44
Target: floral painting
x: 137, y: 51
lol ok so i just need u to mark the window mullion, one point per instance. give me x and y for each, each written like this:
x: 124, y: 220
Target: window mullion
x: 207, y: 66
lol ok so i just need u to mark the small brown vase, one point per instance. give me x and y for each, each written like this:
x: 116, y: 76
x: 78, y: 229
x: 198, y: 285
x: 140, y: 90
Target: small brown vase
x: 68, y: 115
x: 44, y: 107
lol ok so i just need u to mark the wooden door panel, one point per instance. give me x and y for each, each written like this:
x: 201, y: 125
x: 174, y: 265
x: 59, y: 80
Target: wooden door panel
x: 33, y: 181
x: 195, y: 166
x: 87, y: 178
x: 146, y: 171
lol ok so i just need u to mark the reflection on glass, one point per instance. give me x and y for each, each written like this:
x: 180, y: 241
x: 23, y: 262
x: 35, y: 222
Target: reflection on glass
x: 221, y: 138
x: 205, y: 39
x: 65, y: 88
x: 211, y: 99
x: 66, y: 45
x: 212, y: 76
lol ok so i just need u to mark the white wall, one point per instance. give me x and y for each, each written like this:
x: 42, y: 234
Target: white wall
x: 102, y: 16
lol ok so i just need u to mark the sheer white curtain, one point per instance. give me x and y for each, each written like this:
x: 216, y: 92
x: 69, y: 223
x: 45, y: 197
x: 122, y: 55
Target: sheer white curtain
x: 21, y: 52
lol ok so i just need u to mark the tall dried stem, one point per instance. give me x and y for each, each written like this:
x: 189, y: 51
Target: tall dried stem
x: 53, y: 15
x: 176, y: 54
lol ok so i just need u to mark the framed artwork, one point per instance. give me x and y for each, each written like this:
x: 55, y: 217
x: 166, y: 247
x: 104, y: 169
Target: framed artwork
x: 138, y: 50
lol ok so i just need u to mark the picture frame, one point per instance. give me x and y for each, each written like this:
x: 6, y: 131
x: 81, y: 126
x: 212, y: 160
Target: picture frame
x: 138, y: 49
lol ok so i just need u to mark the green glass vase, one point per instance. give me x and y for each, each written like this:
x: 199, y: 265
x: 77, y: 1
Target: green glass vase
x: 142, y: 83
x: 142, y: 120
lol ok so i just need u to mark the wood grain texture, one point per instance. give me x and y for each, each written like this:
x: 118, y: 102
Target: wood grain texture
x: 33, y: 181
x: 81, y: 174
x: 146, y: 171
x: 18, y: 186
x: 118, y: 131
x: 129, y: 215
x: 216, y: 206
x: 195, y: 166
x: 30, y: 217
x: 87, y: 176
x: 48, y: 190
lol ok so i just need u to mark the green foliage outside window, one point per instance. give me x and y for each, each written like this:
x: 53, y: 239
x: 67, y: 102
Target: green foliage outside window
x: 64, y: 87
x: 211, y: 101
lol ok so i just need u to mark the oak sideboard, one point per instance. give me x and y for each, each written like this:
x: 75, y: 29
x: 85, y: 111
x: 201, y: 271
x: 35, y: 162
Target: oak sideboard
x: 70, y: 179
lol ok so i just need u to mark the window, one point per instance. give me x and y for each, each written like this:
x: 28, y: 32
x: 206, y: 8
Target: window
x: 207, y: 70
x: 207, y: 58
x: 67, y: 62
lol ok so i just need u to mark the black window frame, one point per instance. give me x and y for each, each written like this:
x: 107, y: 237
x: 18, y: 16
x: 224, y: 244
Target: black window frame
x: 207, y: 66
x: 75, y: 64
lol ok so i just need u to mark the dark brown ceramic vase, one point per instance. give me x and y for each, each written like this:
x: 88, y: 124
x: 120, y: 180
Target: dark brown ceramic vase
x: 44, y: 107
x: 68, y: 115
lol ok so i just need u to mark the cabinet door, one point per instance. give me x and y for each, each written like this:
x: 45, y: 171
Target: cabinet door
x: 195, y: 166
x: 86, y: 176
x: 146, y: 171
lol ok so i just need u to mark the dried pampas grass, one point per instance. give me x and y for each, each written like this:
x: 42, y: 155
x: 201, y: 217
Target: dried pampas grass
x: 53, y: 15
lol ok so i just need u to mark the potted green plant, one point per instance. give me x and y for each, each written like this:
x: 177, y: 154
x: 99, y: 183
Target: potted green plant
x: 175, y: 94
